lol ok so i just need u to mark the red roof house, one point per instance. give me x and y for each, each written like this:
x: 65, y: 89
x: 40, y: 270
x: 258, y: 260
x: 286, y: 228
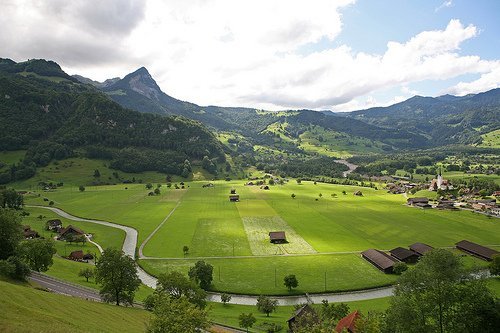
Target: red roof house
x: 348, y: 323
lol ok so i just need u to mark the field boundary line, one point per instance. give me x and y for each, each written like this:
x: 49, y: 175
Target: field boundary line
x: 141, y: 255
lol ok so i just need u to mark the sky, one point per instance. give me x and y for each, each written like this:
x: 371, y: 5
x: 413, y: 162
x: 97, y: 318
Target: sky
x: 338, y: 55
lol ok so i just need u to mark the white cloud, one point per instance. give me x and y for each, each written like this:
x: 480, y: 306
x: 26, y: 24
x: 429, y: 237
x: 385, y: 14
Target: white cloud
x: 487, y: 81
x: 445, y: 4
x: 232, y: 53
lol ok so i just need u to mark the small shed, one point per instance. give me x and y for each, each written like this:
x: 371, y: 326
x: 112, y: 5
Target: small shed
x: 76, y: 255
x: 277, y: 237
x: 304, y: 310
x: 234, y: 197
x: 404, y: 255
x: 379, y: 259
x: 482, y: 252
x: 348, y: 323
x: 358, y: 193
x: 420, y: 248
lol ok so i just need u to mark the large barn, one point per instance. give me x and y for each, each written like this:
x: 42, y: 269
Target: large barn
x: 482, y: 252
x: 404, y: 255
x: 420, y: 248
x: 277, y: 237
x: 379, y: 259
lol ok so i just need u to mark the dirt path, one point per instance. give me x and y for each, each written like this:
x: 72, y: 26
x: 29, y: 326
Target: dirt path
x: 351, y: 167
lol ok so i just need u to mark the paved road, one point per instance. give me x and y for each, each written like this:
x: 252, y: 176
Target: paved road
x: 63, y: 287
x: 131, y: 242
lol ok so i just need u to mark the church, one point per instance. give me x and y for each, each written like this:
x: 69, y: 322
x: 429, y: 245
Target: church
x: 440, y: 184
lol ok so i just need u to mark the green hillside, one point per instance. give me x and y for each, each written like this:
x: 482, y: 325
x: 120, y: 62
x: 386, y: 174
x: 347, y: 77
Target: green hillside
x: 24, y: 309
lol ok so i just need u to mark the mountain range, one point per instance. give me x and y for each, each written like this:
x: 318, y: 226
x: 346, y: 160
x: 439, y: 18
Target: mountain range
x: 419, y: 122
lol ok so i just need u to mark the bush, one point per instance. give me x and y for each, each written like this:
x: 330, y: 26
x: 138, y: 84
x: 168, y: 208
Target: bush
x: 399, y: 268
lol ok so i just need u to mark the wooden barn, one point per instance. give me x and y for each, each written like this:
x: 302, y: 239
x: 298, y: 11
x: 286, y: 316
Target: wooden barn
x: 277, y: 237
x: 379, y: 259
x: 76, y: 255
x: 482, y: 252
x: 53, y: 225
x: 70, y: 231
x: 234, y: 197
x: 302, y: 311
x: 404, y: 255
x: 420, y: 248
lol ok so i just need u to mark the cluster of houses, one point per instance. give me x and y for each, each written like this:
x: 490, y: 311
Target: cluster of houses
x: 481, y: 205
x: 385, y: 262
x: 28, y: 233
x: 69, y: 233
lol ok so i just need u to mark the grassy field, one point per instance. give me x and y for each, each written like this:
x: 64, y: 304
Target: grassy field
x: 491, y: 139
x: 25, y: 309
x: 322, y: 226
x: 265, y: 275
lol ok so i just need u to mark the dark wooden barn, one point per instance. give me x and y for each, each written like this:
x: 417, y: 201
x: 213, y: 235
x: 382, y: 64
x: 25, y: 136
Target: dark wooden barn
x: 379, y: 259
x: 234, y: 197
x: 304, y: 310
x: 404, y: 255
x: 420, y: 248
x: 482, y: 252
x: 277, y: 237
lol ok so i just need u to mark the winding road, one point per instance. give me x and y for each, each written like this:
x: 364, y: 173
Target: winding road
x: 130, y: 244
x: 351, y: 167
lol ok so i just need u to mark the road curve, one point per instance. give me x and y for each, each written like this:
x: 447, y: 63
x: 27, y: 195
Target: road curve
x: 130, y: 243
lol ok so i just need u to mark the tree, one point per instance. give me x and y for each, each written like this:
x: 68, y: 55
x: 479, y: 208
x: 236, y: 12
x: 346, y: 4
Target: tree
x: 370, y: 323
x: 266, y: 305
x: 10, y: 232
x: 81, y: 188
x: 439, y: 295
x: 246, y: 320
x: 399, y: 268
x: 202, y: 273
x: 290, y: 282
x: 185, y: 249
x: 177, y: 315
x: 293, y: 195
x: 225, y: 298
x: 320, y: 195
x: 344, y: 192
x: 9, y: 198
x: 157, y: 191
x: 15, y: 268
x: 495, y: 265
x: 331, y: 313
x: 299, y: 181
x: 97, y: 174
x: 37, y: 253
x: 117, y: 274
x: 149, y: 186
x: 86, y: 273
x: 177, y: 285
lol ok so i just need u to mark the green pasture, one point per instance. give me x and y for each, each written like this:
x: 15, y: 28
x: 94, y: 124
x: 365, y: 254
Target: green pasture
x: 264, y: 275
x: 126, y: 204
x: 328, y: 224
x: 80, y: 171
x: 11, y: 157
x: 491, y: 139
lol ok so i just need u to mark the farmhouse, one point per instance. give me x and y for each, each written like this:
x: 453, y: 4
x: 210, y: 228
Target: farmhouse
x: 28, y: 233
x: 420, y: 248
x: 477, y: 250
x: 404, y: 255
x: 446, y: 204
x: 53, y: 225
x: 277, y: 237
x: 302, y: 311
x: 234, y: 197
x: 76, y: 255
x: 70, y: 231
x: 348, y: 323
x: 418, y: 202
x: 379, y: 259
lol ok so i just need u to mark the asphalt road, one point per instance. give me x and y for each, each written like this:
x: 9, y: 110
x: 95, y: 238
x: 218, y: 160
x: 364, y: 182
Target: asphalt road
x: 63, y: 287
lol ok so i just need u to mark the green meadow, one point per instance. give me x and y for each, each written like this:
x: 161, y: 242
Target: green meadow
x: 325, y: 229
